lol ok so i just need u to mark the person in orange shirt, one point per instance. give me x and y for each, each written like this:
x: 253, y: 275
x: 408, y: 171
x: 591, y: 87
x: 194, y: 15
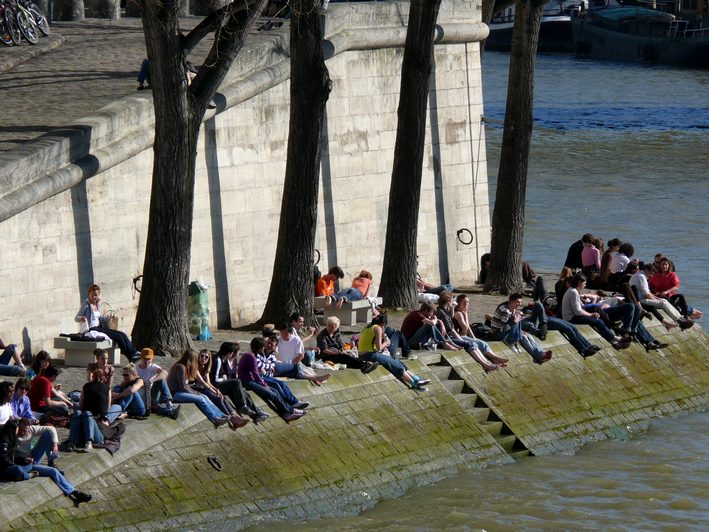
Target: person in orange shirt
x: 326, y: 284
x: 358, y: 291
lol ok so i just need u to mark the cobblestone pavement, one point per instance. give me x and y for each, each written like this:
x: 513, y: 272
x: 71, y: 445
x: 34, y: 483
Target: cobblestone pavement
x: 79, y: 68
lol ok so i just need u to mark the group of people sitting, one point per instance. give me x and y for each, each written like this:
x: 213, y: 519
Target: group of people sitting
x: 654, y: 285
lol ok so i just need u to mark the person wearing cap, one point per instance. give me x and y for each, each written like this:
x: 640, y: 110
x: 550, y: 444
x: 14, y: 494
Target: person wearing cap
x: 155, y: 381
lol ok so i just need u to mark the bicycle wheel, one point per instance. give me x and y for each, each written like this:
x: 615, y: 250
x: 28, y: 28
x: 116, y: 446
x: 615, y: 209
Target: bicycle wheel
x: 38, y: 16
x: 27, y: 27
x: 5, y: 36
x: 12, y: 27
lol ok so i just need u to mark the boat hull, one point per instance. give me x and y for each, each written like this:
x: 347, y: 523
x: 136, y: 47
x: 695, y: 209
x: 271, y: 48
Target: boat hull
x: 604, y: 43
x: 554, y: 36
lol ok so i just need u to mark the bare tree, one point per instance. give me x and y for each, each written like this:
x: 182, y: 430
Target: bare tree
x: 508, y: 214
x: 398, y: 284
x: 161, y: 320
x: 310, y: 85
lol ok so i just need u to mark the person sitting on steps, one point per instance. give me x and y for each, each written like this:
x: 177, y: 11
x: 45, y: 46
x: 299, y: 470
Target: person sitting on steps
x: 13, y: 468
x: 10, y: 354
x: 374, y: 347
x: 422, y: 328
x: 333, y: 350
x: 474, y: 347
x: 507, y: 327
x: 156, y: 389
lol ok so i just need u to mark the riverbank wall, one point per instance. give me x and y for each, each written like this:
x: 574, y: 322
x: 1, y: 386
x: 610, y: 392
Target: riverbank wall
x: 74, y: 203
x: 367, y: 437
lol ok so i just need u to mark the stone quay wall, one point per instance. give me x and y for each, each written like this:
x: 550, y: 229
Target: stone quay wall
x: 367, y: 436
x: 74, y: 204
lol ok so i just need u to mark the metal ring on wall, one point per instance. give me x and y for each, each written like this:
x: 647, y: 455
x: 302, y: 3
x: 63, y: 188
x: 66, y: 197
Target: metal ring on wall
x: 463, y: 231
x: 318, y: 257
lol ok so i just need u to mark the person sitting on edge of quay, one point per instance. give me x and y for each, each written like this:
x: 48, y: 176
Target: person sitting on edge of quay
x: 424, y: 287
x: 20, y: 403
x: 47, y: 442
x: 251, y: 379
x: 665, y: 284
x: 206, y: 387
x: 574, y: 256
x: 332, y: 349
x: 591, y: 257
x: 572, y: 311
x: 267, y: 363
x: 40, y: 361
x: 223, y: 375
x: 101, y: 363
x: 606, y: 259
x: 639, y: 275
x: 89, y: 316
x: 422, y: 329
x: 507, y: 327
x: 42, y: 392
x: 156, y: 390
x: 374, y: 346
x: 619, y: 262
x: 183, y: 371
x: 13, y: 468
x: 537, y: 322
x: 297, y: 321
x: 10, y: 354
x: 478, y: 349
x: 290, y: 353
x: 6, y: 393
x: 94, y: 407
x: 128, y: 394
x: 326, y: 284
x: 656, y: 263
x: 642, y: 335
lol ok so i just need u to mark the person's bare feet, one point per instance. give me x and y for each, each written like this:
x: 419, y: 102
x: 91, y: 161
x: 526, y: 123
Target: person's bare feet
x: 696, y: 314
x: 491, y: 368
x: 496, y: 359
x: 340, y: 302
x: 319, y: 379
x: 669, y: 325
x: 328, y: 301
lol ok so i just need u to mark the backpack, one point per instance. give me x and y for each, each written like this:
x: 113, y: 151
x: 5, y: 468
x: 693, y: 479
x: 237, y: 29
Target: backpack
x: 481, y: 331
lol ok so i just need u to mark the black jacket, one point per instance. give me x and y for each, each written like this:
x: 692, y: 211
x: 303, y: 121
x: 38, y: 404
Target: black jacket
x: 8, y: 439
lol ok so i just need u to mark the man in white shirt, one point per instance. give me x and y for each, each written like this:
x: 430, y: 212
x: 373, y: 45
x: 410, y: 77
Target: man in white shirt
x: 647, y: 298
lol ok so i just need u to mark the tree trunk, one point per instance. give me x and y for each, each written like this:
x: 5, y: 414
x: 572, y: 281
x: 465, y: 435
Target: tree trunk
x: 292, y: 281
x: 398, y: 284
x: 508, y: 215
x: 161, y: 320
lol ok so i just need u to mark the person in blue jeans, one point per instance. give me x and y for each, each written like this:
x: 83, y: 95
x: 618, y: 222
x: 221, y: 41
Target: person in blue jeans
x: 421, y: 327
x: 506, y: 325
x: 128, y: 394
x: 187, y: 369
x: 16, y: 469
x: 374, y: 347
x: 537, y: 323
x: 11, y: 361
x: 94, y: 408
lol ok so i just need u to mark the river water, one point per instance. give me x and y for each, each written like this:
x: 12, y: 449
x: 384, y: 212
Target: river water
x: 625, y: 154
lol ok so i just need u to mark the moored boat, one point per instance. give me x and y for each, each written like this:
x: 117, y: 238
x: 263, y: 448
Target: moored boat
x: 554, y: 32
x: 640, y: 34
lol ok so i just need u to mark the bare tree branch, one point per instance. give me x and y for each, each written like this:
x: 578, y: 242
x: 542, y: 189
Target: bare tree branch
x: 213, y: 21
x: 227, y: 42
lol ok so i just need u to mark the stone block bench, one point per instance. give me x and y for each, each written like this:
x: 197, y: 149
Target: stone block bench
x: 351, y: 311
x: 80, y: 353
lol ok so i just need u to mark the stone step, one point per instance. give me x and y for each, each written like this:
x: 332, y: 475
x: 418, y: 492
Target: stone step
x: 467, y: 401
x: 454, y: 387
x: 441, y: 372
x: 480, y: 414
x: 493, y: 427
x: 507, y: 442
x: 428, y: 357
x: 519, y: 455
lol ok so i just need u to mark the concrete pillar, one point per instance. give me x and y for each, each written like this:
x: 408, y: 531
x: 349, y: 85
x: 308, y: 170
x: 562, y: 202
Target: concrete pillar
x: 107, y: 9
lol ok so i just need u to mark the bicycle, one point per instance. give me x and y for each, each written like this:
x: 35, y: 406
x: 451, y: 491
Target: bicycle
x: 9, y: 30
x: 25, y: 20
x: 36, y: 13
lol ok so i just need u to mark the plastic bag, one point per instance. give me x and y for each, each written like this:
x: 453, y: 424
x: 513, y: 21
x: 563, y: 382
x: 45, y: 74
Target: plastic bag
x: 198, y: 311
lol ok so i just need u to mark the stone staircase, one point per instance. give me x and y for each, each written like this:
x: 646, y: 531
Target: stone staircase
x: 472, y: 403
